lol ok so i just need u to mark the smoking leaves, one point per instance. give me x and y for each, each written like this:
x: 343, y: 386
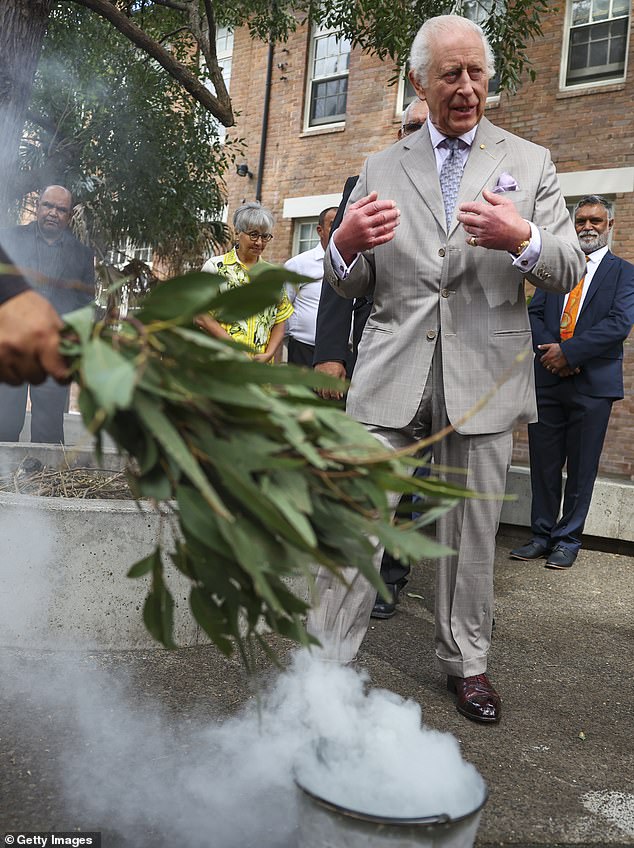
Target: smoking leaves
x: 266, y: 479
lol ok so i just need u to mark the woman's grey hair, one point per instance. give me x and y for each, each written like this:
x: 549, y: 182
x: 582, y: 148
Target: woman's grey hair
x: 420, y: 56
x: 253, y: 216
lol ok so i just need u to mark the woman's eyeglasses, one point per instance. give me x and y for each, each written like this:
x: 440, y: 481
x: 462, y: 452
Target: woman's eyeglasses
x: 254, y: 236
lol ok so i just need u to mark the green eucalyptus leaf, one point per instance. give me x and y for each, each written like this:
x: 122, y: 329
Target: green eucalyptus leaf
x: 145, y: 565
x: 180, y: 299
x: 110, y: 375
x: 169, y: 438
x: 211, y: 619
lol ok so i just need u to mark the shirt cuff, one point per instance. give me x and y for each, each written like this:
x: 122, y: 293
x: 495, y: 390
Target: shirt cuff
x: 339, y: 266
x: 529, y: 257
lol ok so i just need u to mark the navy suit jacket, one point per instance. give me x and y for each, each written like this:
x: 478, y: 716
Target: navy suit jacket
x: 605, y: 320
x: 335, y: 314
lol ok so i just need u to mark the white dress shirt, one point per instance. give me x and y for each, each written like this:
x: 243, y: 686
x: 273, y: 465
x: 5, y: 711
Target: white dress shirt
x: 593, y: 261
x: 303, y: 322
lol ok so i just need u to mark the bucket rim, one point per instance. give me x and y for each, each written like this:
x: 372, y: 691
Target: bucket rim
x: 442, y: 819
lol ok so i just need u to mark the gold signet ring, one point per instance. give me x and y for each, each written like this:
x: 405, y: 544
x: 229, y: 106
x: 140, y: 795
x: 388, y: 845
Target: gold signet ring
x: 473, y: 241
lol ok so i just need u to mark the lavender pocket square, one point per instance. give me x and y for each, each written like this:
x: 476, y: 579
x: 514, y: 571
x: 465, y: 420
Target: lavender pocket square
x: 505, y: 183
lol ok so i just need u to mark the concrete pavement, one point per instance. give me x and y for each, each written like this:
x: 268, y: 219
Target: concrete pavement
x: 559, y: 766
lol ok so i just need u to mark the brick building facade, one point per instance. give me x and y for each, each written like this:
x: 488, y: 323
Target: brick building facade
x: 580, y: 107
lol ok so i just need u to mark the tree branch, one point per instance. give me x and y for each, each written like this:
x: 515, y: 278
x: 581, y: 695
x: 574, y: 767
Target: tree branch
x: 220, y: 107
x: 171, y: 4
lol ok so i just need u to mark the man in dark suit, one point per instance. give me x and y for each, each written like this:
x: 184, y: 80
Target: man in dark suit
x: 578, y: 342
x: 337, y: 317
x: 61, y: 269
x: 337, y: 320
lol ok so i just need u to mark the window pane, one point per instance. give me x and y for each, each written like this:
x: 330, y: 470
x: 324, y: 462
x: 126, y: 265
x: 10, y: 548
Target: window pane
x: 601, y: 10
x: 617, y: 51
x: 580, y: 12
x: 578, y: 58
x: 307, y: 236
x: 620, y: 7
x: 598, y: 53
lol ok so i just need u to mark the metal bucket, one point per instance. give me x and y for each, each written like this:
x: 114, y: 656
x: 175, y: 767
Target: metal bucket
x: 323, y: 824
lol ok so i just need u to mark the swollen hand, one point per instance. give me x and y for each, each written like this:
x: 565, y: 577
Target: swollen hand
x: 367, y: 223
x: 29, y: 341
x: 495, y: 223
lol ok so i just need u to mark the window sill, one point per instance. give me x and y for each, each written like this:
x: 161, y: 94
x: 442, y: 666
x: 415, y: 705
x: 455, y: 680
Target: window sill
x: 323, y: 130
x: 582, y: 90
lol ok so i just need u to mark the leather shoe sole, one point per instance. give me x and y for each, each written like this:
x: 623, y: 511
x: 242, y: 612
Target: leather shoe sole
x: 560, y: 558
x: 532, y: 550
x: 476, y: 698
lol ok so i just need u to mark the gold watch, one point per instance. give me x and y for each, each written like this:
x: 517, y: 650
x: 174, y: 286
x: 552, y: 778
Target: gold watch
x: 521, y: 247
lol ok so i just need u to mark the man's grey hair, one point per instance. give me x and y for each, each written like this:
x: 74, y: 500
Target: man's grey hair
x: 421, y: 53
x: 595, y: 200
x: 253, y: 216
x: 406, y: 112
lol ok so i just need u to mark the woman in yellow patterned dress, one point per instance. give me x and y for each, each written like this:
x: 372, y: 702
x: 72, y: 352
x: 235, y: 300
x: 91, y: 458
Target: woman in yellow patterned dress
x: 264, y: 332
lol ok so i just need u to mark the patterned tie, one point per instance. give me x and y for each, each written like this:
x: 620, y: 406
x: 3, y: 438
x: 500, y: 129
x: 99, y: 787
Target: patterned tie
x: 450, y: 176
x: 569, y: 315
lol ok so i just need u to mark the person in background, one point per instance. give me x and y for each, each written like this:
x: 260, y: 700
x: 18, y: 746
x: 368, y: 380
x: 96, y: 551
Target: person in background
x: 340, y: 322
x: 29, y: 331
x: 61, y: 269
x: 305, y: 297
x: 578, y: 341
x: 262, y: 333
x: 442, y: 230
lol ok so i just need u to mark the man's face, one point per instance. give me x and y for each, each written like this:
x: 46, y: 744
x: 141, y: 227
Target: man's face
x: 54, y: 211
x: 593, y: 227
x: 415, y: 118
x: 324, y: 232
x: 457, y: 84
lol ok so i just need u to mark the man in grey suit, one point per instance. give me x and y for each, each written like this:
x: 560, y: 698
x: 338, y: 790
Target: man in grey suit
x: 472, y: 212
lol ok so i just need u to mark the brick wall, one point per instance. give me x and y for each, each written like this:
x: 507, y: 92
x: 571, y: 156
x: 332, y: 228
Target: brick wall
x: 584, y: 130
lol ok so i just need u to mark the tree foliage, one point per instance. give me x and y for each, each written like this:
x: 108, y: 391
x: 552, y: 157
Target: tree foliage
x: 143, y: 159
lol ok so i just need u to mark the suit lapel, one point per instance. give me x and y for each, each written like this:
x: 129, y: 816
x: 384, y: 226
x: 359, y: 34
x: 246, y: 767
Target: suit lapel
x: 599, y: 275
x: 419, y: 163
x: 486, y: 154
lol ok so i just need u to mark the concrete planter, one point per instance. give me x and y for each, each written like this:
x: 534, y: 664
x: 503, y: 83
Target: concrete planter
x: 64, y: 562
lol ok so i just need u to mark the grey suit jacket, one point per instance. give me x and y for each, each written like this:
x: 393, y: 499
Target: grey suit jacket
x: 429, y: 284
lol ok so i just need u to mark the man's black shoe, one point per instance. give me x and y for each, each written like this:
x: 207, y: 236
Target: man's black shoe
x: 532, y: 550
x: 561, y: 557
x: 386, y: 609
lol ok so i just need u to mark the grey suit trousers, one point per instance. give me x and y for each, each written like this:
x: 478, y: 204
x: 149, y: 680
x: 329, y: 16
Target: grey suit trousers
x: 464, y: 580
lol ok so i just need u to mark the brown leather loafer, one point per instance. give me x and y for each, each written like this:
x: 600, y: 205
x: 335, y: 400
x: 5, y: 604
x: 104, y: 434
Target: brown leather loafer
x: 476, y: 698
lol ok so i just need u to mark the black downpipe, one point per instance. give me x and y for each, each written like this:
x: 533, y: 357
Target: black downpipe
x: 265, y: 117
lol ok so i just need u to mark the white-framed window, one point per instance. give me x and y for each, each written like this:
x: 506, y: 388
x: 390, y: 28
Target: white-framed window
x: 596, y: 41
x: 327, y: 90
x: 224, y: 54
x: 305, y: 235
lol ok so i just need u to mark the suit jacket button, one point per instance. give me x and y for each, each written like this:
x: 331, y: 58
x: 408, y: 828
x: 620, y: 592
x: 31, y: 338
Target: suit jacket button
x: 444, y: 292
x: 441, y: 252
x: 431, y: 334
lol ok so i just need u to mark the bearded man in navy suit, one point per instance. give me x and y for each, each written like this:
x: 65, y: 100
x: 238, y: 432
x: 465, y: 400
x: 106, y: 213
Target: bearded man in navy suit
x: 578, y: 376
